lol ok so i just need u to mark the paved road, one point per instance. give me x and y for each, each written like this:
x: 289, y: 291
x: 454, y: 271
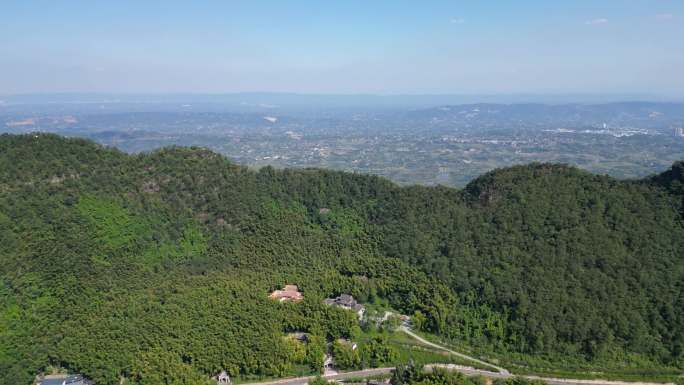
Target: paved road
x: 465, y: 356
x: 549, y: 380
x: 338, y: 376
x: 463, y: 369
x: 468, y: 371
x: 503, y: 373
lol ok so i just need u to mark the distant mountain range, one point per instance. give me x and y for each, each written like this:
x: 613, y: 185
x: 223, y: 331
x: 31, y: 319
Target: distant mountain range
x: 294, y: 100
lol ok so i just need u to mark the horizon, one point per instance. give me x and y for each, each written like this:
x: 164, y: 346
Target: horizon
x: 270, y: 100
x: 351, y: 48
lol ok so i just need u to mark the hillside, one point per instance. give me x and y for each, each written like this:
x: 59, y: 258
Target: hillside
x: 157, y: 267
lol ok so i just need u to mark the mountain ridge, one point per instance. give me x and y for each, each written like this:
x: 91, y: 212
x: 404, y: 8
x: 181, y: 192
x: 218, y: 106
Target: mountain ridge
x: 161, y: 262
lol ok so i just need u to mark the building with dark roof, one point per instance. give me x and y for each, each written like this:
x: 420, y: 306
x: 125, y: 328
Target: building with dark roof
x: 346, y: 301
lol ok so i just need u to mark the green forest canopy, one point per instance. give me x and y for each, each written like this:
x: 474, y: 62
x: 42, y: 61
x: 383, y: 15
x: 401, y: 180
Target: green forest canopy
x: 156, y: 267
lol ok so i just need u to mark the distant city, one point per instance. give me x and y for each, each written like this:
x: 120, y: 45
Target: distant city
x: 445, y: 144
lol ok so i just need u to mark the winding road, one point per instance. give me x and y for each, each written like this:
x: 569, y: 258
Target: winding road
x: 457, y: 354
x: 468, y: 371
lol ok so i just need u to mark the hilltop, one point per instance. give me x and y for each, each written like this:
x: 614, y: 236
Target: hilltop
x: 158, y: 266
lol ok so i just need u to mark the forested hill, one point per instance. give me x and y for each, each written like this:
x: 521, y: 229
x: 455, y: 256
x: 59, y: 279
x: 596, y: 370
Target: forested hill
x: 157, y: 266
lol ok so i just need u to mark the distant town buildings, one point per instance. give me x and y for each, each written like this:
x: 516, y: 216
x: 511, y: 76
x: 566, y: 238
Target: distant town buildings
x: 679, y: 131
x: 288, y: 293
x: 348, y: 302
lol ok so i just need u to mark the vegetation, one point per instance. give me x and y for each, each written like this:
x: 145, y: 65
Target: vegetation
x: 411, y: 374
x: 318, y: 380
x: 518, y: 381
x: 157, y: 267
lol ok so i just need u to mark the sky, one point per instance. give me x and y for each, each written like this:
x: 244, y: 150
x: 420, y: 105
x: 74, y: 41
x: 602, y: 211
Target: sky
x: 343, y: 47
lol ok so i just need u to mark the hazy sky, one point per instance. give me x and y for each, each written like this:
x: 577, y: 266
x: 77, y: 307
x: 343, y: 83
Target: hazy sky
x: 325, y: 46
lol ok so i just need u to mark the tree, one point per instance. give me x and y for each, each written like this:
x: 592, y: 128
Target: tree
x: 378, y: 352
x: 162, y: 367
x: 346, y: 357
x: 315, y: 352
x: 418, y: 320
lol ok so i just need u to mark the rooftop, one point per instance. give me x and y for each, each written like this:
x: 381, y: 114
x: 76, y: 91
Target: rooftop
x: 289, y: 293
x: 346, y: 301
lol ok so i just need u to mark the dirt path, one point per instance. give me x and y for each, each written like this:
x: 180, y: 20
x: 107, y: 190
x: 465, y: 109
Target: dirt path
x: 465, y: 356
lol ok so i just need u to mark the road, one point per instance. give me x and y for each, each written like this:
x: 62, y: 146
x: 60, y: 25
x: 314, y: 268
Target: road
x: 338, y: 376
x: 468, y: 371
x: 503, y: 373
x: 465, y: 356
x: 463, y: 369
x: 549, y: 380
